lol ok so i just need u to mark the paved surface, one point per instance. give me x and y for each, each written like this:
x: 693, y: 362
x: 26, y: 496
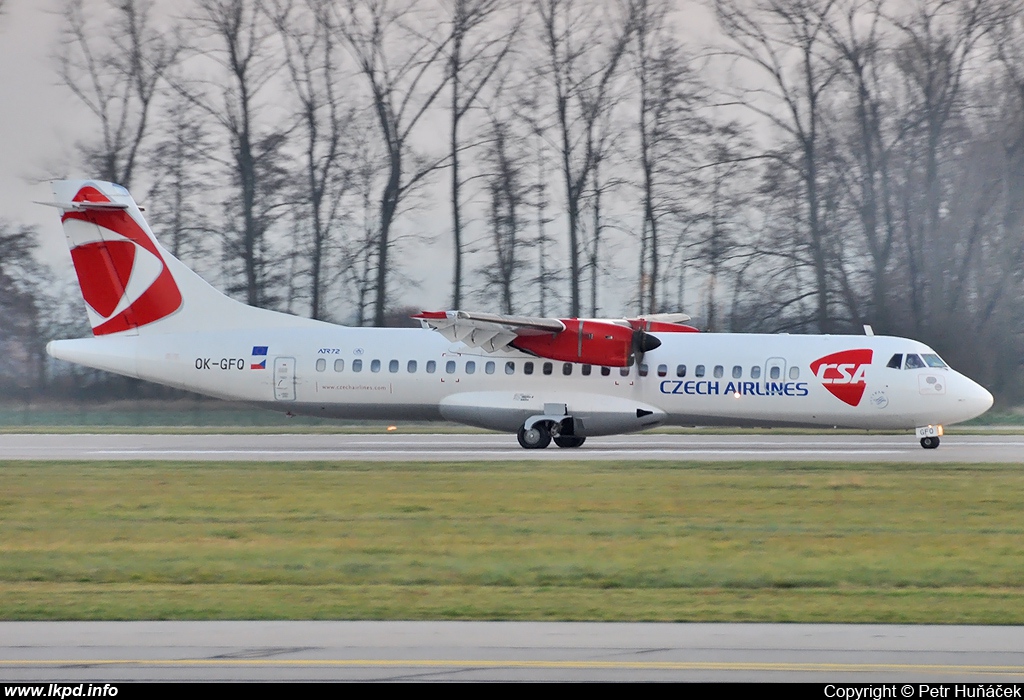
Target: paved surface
x: 474, y: 651
x: 428, y: 448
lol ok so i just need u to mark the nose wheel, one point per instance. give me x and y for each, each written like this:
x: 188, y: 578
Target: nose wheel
x: 929, y: 443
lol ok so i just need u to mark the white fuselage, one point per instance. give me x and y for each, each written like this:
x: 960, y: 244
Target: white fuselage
x: 692, y: 379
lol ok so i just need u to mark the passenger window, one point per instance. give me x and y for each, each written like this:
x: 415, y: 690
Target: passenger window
x: 913, y: 362
x: 411, y: 367
x: 662, y: 370
x: 339, y: 365
x: 585, y: 370
x: 794, y: 372
x: 357, y: 365
x: 548, y: 367
x: 719, y: 371
x: 393, y: 366
x: 737, y: 372
x: 527, y: 368
x: 755, y: 372
x: 680, y: 370
x: 449, y: 367
x: 698, y: 371
x: 321, y: 365
x: 896, y: 361
x: 375, y: 365
x: 775, y: 372
x: 623, y: 371
x: 431, y: 366
x: 510, y: 367
x: 470, y: 367
x: 643, y: 369
x: 567, y: 368
x: 606, y: 371
x: 489, y: 368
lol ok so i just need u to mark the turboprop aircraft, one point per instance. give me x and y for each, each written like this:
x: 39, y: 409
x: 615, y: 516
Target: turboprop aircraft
x: 545, y: 379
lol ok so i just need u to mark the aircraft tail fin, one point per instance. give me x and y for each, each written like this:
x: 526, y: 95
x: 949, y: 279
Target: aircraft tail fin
x: 130, y: 283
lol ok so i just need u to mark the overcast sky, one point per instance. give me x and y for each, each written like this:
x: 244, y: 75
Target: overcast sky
x: 38, y: 126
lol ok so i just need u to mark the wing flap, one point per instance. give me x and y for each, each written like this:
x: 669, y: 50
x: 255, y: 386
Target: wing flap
x: 490, y: 332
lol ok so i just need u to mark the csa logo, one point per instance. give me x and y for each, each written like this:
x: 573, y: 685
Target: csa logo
x: 122, y: 275
x: 842, y: 373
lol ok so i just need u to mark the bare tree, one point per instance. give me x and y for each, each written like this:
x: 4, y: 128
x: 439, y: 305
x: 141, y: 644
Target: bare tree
x: 401, y: 69
x: 937, y: 42
x: 508, y: 190
x: 181, y: 178
x: 786, y: 41
x: 22, y: 284
x: 325, y: 122
x: 116, y: 74
x: 239, y: 39
x: 864, y: 162
x: 584, y: 49
x: 475, y: 53
x: 671, y: 132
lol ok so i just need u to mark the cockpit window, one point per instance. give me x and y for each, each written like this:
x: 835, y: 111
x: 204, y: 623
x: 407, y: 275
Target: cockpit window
x: 913, y: 362
x: 933, y: 360
x: 896, y: 361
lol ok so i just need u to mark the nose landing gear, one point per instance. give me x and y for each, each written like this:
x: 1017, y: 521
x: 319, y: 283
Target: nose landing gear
x: 929, y: 435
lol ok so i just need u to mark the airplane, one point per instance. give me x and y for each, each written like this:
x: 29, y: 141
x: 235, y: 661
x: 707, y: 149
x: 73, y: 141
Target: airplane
x: 543, y: 379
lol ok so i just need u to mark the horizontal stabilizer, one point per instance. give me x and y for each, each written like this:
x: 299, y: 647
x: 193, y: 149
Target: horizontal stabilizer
x: 86, y: 206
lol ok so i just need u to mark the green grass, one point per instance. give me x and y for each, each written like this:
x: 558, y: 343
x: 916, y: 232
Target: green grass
x: 516, y: 540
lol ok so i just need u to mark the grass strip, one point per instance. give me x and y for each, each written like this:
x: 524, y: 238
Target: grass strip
x: 575, y: 541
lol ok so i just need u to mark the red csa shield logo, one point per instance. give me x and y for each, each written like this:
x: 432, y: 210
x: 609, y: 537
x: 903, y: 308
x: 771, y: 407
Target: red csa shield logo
x: 123, y: 277
x: 842, y: 373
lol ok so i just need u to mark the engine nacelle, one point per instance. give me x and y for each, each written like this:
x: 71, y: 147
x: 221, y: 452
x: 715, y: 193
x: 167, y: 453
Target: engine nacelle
x: 588, y: 342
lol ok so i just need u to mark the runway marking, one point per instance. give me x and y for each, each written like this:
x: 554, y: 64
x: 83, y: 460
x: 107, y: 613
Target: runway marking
x: 341, y: 452
x: 537, y: 664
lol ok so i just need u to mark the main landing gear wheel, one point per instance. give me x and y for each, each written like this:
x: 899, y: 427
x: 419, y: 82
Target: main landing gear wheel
x: 569, y: 441
x: 536, y: 438
x: 929, y: 443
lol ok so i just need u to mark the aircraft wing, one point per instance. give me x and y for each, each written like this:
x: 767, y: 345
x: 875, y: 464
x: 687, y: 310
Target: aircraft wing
x: 607, y: 342
x: 490, y: 332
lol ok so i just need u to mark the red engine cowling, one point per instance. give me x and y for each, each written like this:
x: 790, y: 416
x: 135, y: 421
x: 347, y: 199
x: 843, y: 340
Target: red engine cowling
x: 587, y: 342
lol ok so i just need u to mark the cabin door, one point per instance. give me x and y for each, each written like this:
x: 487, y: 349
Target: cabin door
x: 284, y: 379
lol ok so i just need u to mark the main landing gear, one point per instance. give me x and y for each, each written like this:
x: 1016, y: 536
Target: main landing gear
x: 541, y: 434
x: 554, y: 424
x: 536, y: 438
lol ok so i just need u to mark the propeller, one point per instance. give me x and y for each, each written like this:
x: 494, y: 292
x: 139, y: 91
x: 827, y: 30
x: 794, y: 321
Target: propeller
x: 644, y: 342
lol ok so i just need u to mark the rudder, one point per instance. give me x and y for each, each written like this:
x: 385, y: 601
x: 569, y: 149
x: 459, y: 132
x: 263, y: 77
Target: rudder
x: 129, y: 282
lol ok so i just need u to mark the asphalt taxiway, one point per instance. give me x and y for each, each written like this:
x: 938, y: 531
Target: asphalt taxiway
x: 509, y: 651
x: 476, y: 447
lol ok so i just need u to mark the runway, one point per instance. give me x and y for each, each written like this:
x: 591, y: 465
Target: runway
x: 477, y: 447
x: 507, y: 651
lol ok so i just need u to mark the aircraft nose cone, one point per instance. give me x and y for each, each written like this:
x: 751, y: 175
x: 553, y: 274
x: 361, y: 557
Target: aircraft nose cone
x: 978, y: 398
x: 986, y: 399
